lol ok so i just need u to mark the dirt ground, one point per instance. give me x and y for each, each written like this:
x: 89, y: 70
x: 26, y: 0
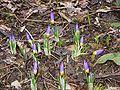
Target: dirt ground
x: 34, y: 16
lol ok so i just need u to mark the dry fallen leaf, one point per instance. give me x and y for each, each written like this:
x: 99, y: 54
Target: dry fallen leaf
x: 70, y: 47
x: 113, y: 88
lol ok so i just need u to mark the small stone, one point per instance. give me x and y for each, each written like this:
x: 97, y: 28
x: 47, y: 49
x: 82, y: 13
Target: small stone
x: 16, y: 84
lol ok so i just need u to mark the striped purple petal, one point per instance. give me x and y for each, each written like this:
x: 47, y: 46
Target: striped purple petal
x: 12, y: 37
x: 82, y: 41
x: 28, y: 36
x: 62, y: 68
x: 35, y: 68
x: 48, y: 30
x: 34, y: 48
x: 86, y: 67
x: 52, y: 17
x: 97, y: 52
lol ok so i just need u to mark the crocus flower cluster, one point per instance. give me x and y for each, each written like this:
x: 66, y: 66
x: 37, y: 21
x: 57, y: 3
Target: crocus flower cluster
x: 97, y: 52
x: 52, y: 17
x: 61, y: 68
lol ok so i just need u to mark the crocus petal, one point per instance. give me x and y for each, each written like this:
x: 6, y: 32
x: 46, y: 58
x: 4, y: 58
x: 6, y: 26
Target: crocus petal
x: 10, y: 37
x: 86, y: 67
x: 13, y: 38
x: 52, y: 15
x: 34, y: 48
x: 48, y: 30
x: 77, y: 29
x: 62, y: 68
x: 97, y: 52
x: 82, y: 41
x: 35, y: 67
x: 28, y: 36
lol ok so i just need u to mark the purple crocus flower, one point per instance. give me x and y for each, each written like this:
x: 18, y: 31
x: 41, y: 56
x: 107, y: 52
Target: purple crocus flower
x: 82, y: 41
x: 77, y: 29
x: 97, y: 52
x: 28, y: 36
x: 35, y: 68
x: 86, y: 67
x: 48, y: 31
x: 52, y: 17
x: 34, y: 48
x: 62, y: 68
x: 12, y: 37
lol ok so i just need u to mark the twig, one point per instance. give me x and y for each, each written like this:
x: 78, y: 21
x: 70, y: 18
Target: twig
x: 65, y: 17
x: 45, y: 85
x: 33, y: 20
x: 109, y: 75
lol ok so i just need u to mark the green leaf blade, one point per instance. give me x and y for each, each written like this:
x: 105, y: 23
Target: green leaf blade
x: 111, y: 56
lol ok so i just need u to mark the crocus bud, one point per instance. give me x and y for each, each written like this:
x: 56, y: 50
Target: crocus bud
x: 62, y: 68
x: 12, y: 37
x: 77, y: 29
x: 86, y: 67
x: 34, y: 48
x: 12, y: 44
x: 28, y: 38
x: 52, y: 17
x: 82, y: 41
x: 48, y: 31
x: 91, y: 78
x: 97, y: 52
x: 35, y: 68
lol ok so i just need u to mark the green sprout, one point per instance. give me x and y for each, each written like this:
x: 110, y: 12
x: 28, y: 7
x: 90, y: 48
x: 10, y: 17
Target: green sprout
x: 47, y: 48
x: 117, y: 3
x: 97, y: 39
x: 62, y: 82
x: 55, y: 30
x: 39, y: 48
x: 34, y: 76
x: 12, y: 44
x: 56, y: 34
x: 99, y: 87
x: 88, y: 16
x: 89, y: 76
x: 23, y: 53
x: 79, y: 47
x: 108, y: 39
